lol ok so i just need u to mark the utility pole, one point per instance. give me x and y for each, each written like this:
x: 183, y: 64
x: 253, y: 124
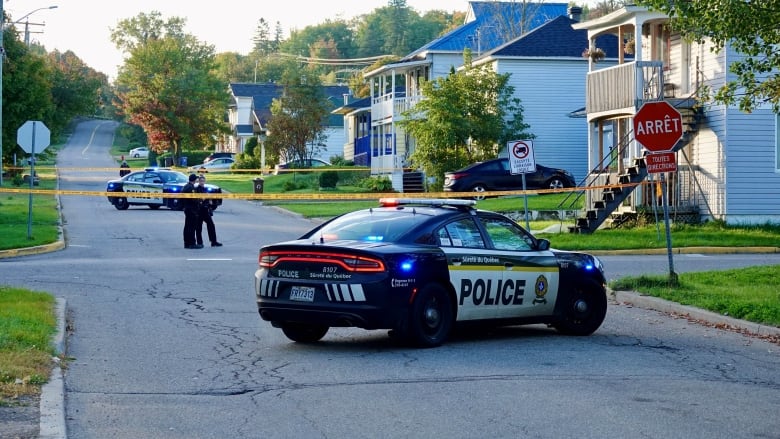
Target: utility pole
x: 2, y: 60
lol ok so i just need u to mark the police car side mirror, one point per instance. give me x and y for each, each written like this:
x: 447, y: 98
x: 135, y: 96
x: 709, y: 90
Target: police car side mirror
x: 543, y: 245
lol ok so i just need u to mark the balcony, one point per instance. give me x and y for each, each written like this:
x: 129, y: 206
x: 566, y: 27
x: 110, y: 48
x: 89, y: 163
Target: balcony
x: 623, y: 88
x: 388, y: 107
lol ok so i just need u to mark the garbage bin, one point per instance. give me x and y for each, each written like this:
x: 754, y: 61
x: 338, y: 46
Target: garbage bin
x: 183, y: 162
x: 258, y: 185
x: 168, y: 162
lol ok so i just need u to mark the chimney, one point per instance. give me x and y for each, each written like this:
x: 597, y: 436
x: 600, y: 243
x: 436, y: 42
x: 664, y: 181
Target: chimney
x: 575, y: 13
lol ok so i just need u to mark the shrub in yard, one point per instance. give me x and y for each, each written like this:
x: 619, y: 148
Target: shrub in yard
x: 377, y: 184
x: 329, y: 179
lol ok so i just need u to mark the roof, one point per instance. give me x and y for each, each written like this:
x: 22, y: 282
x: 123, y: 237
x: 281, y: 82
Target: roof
x: 263, y: 94
x: 556, y: 38
x: 493, y: 22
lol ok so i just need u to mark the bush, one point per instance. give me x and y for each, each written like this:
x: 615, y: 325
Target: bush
x: 329, y: 179
x: 377, y: 184
x: 247, y: 161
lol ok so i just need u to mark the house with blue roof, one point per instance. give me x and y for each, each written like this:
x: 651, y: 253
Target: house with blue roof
x: 396, y: 87
x: 250, y: 111
x: 547, y: 70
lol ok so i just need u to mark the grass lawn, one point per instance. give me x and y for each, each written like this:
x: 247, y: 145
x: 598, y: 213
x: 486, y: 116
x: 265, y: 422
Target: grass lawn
x: 27, y: 324
x: 15, y: 216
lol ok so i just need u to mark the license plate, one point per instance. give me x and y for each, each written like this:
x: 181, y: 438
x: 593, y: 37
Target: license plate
x: 302, y: 294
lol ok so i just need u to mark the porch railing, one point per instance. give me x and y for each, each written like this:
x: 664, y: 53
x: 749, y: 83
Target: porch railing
x: 390, y: 106
x: 624, y: 86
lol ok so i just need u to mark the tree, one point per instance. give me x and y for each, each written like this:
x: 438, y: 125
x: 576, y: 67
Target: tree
x: 298, y: 117
x: 168, y: 85
x: 76, y: 88
x: 749, y: 27
x: 26, y: 92
x: 464, y: 117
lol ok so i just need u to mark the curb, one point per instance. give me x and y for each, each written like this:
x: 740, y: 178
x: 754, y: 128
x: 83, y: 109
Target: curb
x: 52, y: 405
x: 666, y: 306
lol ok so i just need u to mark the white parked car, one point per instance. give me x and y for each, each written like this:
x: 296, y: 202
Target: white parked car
x: 221, y: 164
x: 139, y: 153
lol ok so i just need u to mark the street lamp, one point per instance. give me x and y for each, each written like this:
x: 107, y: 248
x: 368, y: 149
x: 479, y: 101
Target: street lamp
x: 2, y: 58
x: 27, y: 23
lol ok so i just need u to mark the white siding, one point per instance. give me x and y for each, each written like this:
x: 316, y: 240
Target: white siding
x: 549, y: 90
x: 334, y: 145
x: 443, y: 63
x: 753, y: 182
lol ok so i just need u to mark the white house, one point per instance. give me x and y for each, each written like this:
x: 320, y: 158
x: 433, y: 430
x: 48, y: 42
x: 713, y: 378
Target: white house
x: 250, y: 111
x: 728, y: 161
x: 396, y: 87
x: 546, y: 67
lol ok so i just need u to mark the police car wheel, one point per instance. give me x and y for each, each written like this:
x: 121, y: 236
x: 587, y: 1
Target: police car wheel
x: 121, y: 204
x: 431, y: 317
x: 303, y: 333
x: 154, y: 206
x: 584, y: 312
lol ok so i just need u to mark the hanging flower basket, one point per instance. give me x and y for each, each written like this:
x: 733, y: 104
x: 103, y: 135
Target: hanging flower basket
x: 595, y: 54
x: 629, y: 47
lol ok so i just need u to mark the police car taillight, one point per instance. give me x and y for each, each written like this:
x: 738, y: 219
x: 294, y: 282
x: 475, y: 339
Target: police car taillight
x: 355, y: 263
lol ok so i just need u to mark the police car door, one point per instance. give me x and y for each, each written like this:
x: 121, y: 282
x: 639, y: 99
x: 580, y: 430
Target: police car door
x: 143, y: 182
x: 529, y: 285
x: 474, y: 271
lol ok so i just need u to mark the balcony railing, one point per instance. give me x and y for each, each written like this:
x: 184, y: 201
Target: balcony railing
x: 624, y: 87
x: 390, y: 106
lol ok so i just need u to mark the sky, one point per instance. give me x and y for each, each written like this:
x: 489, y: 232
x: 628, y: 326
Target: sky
x: 84, y: 26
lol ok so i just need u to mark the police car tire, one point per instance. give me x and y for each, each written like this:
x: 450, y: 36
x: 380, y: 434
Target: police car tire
x: 303, y: 333
x: 121, y: 204
x: 154, y: 206
x: 575, y: 320
x: 431, y: 317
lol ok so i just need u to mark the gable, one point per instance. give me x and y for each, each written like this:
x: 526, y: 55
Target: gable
x: 491, y: 23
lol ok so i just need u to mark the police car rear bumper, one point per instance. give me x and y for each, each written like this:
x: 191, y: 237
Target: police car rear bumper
x: 364, y: 317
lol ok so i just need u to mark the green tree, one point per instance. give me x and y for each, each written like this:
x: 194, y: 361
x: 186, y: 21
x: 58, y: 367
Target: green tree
x: 76, y: 88
x: 167, y: 84
x: 297, y: 126
x: 464, y: 117
x: 26, y: 92
x: 750, y: 27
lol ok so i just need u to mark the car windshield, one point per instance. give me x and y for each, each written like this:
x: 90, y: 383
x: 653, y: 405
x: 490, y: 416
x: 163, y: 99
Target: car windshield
x: 370, y: 226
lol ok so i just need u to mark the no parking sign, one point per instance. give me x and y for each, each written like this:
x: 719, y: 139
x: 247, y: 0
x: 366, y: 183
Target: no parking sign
x: 521, y: 156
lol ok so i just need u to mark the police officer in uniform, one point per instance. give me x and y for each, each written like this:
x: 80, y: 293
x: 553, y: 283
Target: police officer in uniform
x: 190, y: 214
x: 204, y: 216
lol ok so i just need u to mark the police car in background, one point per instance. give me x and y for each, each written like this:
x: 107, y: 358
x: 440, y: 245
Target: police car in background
x: 421, y: 266
x: 153, y: 180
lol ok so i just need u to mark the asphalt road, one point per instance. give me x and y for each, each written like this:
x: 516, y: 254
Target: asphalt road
x: 166, y: 342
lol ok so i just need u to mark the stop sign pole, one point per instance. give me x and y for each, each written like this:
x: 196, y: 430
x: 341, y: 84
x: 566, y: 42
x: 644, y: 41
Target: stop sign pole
x: 658, y: 127
x: 31, y: 134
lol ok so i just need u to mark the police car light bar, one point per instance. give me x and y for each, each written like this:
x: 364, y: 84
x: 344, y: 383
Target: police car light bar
x: 392, y: 202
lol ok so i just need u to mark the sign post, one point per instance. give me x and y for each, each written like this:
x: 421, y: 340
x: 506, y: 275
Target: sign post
x: 30, y: 135
x: 658, y: 127
x: 522, y: 161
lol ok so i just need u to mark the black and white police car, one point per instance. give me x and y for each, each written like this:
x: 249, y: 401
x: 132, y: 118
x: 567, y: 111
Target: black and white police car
x: 420, y: 266
x: 153, y: 180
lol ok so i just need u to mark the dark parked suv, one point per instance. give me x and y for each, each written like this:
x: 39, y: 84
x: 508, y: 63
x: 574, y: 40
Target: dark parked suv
x: 494, y: 175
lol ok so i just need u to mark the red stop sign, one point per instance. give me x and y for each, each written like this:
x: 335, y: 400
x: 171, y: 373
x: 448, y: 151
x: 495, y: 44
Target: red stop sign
x: 658, y: 126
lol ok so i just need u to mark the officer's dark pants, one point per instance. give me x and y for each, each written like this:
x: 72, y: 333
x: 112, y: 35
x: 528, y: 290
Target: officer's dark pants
x: 191, y: 222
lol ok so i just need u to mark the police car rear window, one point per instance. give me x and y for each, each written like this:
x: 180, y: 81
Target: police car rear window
x: 371, y: 226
